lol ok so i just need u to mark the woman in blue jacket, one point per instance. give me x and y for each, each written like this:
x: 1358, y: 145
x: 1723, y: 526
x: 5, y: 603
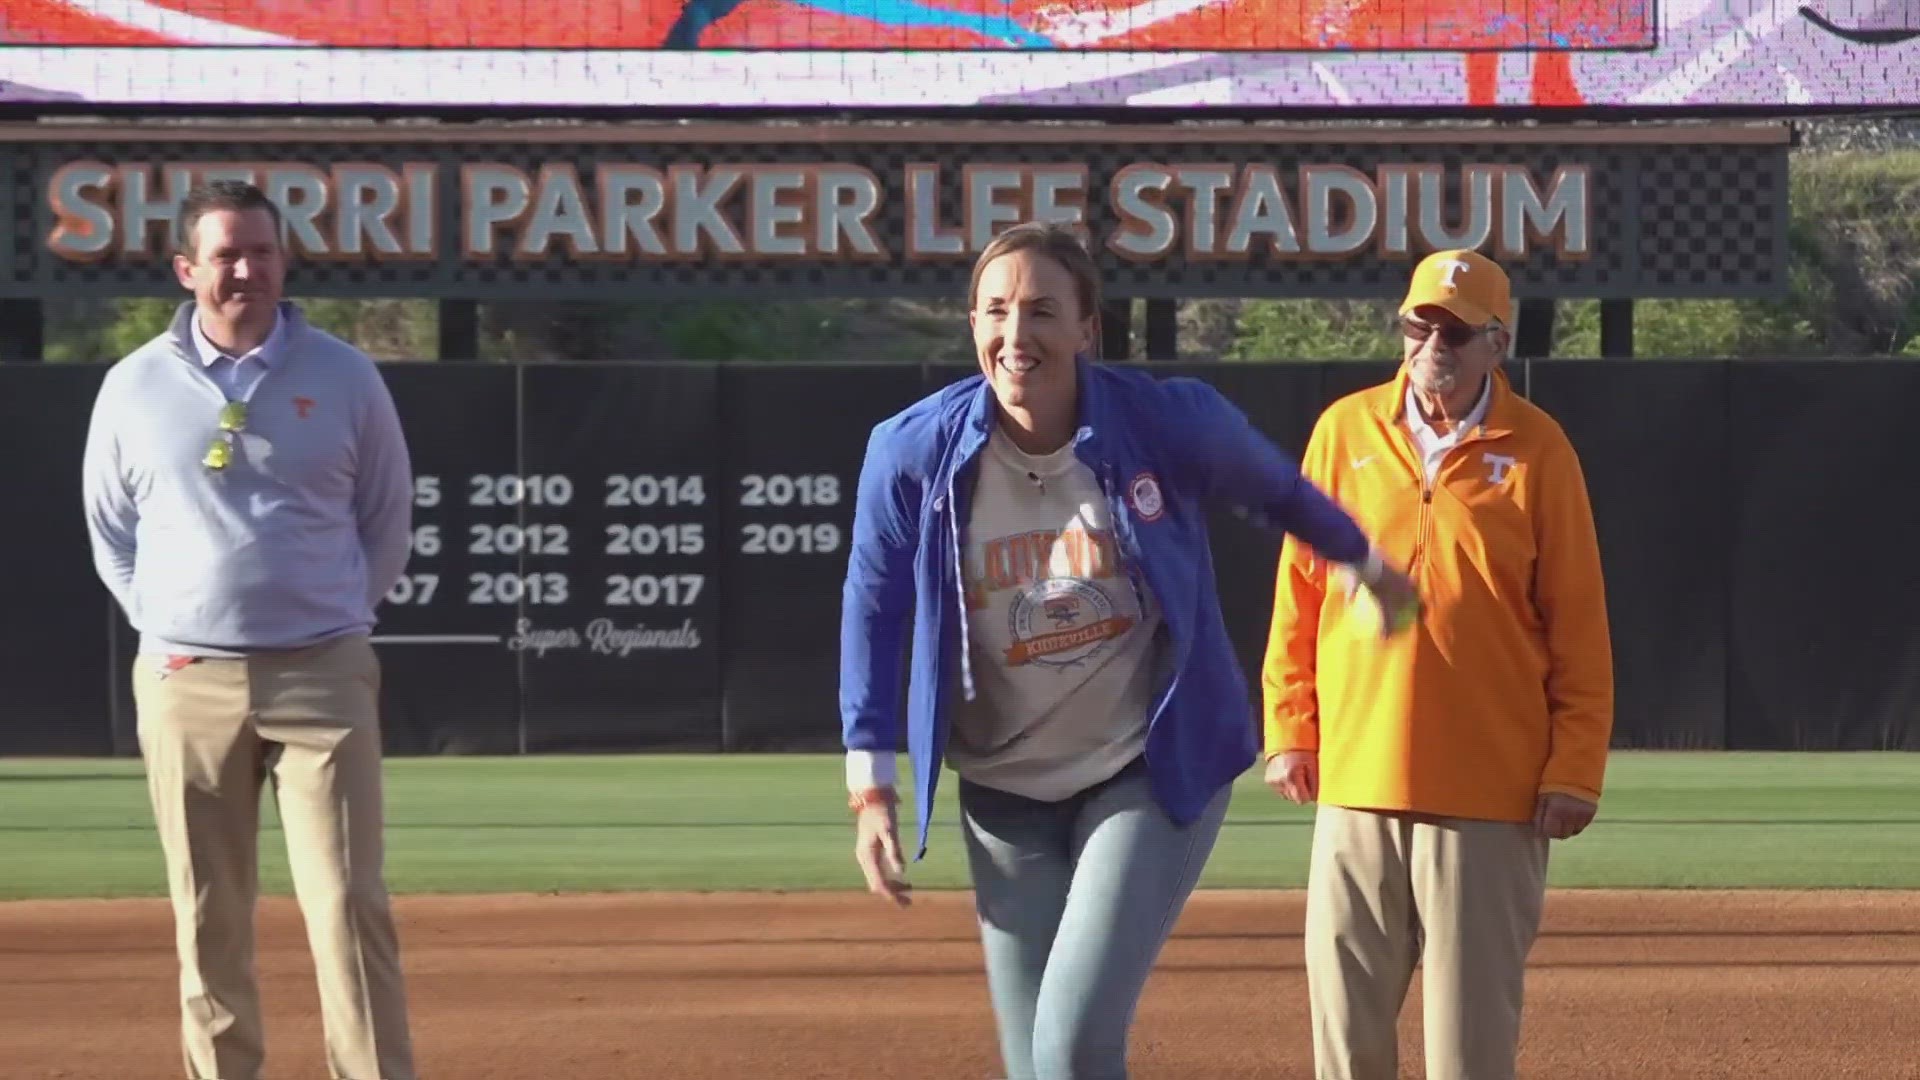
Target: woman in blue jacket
x: 1042, y: 528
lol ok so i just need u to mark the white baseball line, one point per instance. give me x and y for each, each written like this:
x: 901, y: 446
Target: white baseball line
x: 155, y: 19
x: 1685, y: 81
x: 1796, y: 90
x: 1078, y: 29
x: 1332, y: 85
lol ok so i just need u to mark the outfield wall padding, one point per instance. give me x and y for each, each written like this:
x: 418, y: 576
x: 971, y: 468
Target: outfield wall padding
x: 641, y: 556
x: 1824, y: 523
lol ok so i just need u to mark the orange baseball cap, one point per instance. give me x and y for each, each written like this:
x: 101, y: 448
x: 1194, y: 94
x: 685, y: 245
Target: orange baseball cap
x: 1466, y: 283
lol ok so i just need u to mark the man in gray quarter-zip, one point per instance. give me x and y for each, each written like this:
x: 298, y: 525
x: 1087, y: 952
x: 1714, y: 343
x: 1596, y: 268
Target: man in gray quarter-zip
x: 248, y: 495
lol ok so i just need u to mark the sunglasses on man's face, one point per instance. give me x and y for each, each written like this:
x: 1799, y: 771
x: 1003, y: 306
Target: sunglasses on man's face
x: 233, y: 420
x: 1453, y: 334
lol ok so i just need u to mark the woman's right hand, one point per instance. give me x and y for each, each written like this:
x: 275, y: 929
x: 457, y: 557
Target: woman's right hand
x: 876, y: 848
x: 1395, y: 593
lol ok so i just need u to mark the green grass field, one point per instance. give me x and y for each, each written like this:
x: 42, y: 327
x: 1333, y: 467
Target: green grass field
x: 81, y: 828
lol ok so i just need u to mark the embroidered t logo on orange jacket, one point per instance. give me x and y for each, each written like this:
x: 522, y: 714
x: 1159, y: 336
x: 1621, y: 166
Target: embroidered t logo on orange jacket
x: 1505, y: 689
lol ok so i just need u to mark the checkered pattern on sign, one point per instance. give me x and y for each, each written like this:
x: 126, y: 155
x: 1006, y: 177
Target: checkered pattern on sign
x: 1664, y: 220
x: 1707, y: 220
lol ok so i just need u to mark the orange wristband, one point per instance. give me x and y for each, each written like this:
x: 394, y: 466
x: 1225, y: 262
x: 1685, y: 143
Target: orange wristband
x: 873, y: 796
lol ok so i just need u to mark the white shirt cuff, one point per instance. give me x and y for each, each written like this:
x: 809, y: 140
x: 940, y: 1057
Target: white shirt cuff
x: 871, y: 768
x: 1373, y: 564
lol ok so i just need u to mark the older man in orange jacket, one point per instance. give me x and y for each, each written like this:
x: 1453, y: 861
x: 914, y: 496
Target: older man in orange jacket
x: 1443, y: 760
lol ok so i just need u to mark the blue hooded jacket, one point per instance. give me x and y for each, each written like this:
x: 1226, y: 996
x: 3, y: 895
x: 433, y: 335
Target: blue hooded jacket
x: 1166, y: 451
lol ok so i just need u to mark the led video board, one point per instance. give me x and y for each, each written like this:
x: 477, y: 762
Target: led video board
x: 1333, y: 55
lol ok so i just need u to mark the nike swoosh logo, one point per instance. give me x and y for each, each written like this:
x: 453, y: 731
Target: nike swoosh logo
x: 1361, y: 462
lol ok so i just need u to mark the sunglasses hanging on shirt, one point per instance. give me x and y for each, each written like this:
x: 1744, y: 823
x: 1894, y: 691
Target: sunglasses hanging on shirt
x: 233, y: 420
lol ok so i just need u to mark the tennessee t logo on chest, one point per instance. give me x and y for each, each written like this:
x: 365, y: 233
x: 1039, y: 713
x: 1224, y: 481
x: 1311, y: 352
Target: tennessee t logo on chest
x: 1499, y: 464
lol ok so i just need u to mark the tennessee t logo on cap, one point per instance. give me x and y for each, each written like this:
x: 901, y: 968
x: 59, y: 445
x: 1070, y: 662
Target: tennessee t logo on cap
x: 1466, y: 283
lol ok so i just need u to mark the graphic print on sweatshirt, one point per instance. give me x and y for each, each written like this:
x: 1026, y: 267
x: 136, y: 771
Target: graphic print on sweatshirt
x: 1062, y: 642
x: 1061, y: 591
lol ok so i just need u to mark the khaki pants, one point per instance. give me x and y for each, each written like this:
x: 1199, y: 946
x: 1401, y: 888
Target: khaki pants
x: 1460, y: 898
x: 210, y: 733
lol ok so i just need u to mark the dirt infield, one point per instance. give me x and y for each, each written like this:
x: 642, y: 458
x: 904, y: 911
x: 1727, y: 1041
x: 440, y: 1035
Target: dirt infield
x: 1702, y: 986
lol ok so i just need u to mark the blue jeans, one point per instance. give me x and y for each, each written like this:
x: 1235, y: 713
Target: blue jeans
x: 1075, y: 900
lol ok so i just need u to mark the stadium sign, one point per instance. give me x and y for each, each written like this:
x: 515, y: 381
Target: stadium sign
x: 778, y: 210
x: 828, y: 209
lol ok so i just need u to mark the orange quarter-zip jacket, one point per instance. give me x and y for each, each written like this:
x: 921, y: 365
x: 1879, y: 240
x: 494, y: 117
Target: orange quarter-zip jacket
x: 1504, y: 690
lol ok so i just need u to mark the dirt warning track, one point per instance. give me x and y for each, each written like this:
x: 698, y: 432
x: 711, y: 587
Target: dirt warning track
x: 1702, y: 986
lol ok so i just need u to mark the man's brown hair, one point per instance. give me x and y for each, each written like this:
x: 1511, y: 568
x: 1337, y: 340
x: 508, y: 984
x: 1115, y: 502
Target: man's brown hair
x: 234, y: 195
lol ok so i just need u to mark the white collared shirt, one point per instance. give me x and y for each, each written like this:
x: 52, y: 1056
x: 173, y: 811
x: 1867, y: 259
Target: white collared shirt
x: 1433, y: 446
x: 238, y: 376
